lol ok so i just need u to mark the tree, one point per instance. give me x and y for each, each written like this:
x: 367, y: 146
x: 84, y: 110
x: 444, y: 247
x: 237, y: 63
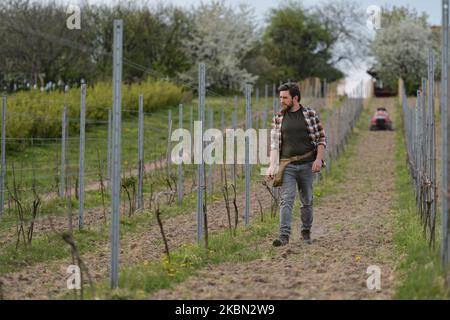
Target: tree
x: 152, y: 38
x: 345, y: 21
x: 221, y: 37
x: 296, y: 42
x: 256, y: 63
x: 394, y: 16
x: 401, y: 48
x: 37, y: 43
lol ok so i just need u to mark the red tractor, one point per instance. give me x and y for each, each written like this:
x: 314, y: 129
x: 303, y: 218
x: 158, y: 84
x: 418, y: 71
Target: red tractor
x: 381, y: 120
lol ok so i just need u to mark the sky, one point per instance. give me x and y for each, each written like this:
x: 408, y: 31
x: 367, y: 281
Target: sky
x: 353, y: 76
x: 431, y: 7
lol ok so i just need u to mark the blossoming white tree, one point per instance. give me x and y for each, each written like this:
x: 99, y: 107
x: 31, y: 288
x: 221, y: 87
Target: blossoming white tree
x: 401, y: 47
x: 221, y: 37
x: 401, y: 50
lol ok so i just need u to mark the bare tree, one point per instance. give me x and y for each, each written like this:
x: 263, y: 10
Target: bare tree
x: 236, y: 210
x: 205, y: 216
x: 346, y: 22
x: 274, y: 196
x: 226, y: 198
x: 172, y: 184
x: 129, y: 185
x: 26, y: 212
x: 68, y: 238
x: 102, y: 184
x: 260, y: 208
x: 161, y: 228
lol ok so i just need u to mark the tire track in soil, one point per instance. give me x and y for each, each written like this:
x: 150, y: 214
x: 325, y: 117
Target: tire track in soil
x: 48, y: 279
x: 350, y: 233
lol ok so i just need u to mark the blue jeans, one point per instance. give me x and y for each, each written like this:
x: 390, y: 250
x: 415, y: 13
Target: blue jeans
x: 296, y: 176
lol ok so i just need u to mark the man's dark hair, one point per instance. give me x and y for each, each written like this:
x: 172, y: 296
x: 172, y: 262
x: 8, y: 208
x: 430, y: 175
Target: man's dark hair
x: 293, y: 89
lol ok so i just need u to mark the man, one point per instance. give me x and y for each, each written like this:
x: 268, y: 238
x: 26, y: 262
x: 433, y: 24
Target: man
x: 297, y: 138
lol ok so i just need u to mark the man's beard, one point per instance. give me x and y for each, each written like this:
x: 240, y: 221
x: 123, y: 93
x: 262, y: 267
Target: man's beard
x: 288, y: 107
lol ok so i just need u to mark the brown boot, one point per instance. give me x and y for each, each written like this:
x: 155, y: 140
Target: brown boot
x: 282, y: 241
x: 306, y: 236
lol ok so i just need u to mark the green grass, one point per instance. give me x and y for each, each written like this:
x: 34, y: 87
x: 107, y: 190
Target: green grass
x: 45, y: 158
x: 51, y: 247
x: 333, y: 179
x: 419, y: 271
x: 44, y: 249
x: 137, y: 282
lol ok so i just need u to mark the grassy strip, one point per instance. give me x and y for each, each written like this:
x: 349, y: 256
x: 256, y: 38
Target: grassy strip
x: 419, y: 271
x: 137, y: 282
x: 51, y: 247
x: 333, y: 179
x: 46, y: 248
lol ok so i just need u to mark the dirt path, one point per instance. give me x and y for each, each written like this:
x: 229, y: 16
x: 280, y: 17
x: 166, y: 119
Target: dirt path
x: 351, y: 232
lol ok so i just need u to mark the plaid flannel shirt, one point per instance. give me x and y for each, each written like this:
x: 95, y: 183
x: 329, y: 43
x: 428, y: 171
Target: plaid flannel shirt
x: 313, y: 125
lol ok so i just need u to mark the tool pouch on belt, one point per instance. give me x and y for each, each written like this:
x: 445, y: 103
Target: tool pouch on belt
x: 278, y: 179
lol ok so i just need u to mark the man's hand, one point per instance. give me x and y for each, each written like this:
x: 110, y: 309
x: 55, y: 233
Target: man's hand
x: 271, y: 172
x: 317, y: 165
